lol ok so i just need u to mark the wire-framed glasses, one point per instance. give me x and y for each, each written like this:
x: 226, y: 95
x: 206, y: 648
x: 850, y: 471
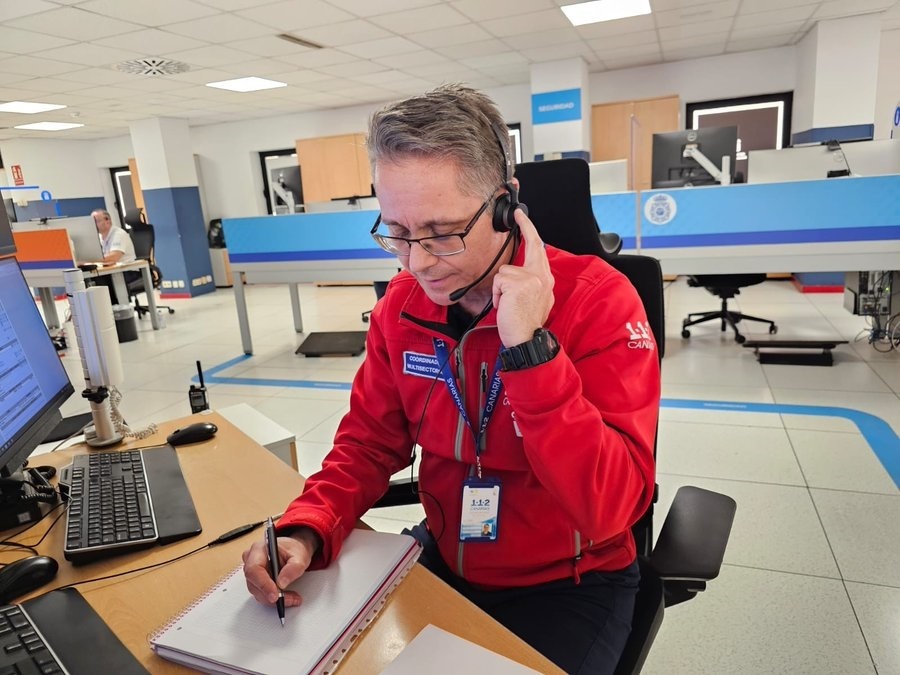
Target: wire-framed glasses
x: 442, y: 244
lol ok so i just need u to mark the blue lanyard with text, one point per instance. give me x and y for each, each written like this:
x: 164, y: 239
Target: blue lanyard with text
x: 490, y: 404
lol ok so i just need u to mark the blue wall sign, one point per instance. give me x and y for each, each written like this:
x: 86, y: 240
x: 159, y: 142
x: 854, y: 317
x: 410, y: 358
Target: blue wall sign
x: 556, y: 106
x: 897, y: 117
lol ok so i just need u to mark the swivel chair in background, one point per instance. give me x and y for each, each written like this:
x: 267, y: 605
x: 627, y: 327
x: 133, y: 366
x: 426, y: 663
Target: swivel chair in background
x: 724, y: 286
x: 691, y: 544
x: 143, y: 237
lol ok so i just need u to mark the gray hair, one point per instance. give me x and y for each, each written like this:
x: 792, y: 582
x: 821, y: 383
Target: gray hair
x: 453, y: 122
x: 103, y: 211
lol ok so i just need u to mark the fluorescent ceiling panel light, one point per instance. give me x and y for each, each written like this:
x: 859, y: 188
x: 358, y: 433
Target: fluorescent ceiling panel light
x: 245, y: 84
x: 49, y: 126
x: 28, y: 107
x: 604, y: 10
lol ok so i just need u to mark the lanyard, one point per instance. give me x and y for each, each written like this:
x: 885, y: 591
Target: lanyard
x: 490, y: 404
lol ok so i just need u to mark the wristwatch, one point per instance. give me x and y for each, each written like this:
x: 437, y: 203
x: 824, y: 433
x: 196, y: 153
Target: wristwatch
x: 542, y: 347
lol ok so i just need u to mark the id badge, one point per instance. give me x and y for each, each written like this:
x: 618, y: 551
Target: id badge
x: 480, y: 510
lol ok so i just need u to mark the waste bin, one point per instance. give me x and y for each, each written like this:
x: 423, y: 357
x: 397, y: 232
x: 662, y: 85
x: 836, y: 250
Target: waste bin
x: 126, y: 328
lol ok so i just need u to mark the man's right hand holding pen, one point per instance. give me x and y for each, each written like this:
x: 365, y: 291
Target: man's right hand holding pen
x: 295, y: 553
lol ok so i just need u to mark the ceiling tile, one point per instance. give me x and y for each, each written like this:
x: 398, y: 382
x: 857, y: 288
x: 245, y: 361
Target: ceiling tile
x: 479, y: 10
x: 454, y: 35
x: 88, y: 54
x: 622, y: 53
x: 686, y: 50
x: 632, y: 62
x: 384, y: 78
x: 50, y: 85
x: 644, y: 37
x: 26, y: 42
x: 688, y: 31
x: 545, y: 38
x: 487, y: 62
x: 482, y: 48
x: 13, y: 10
x: 97, y: 76
x: 374, y: 49
x: 568, y: 50
x: 30, y: 65
x: 417, y: 20
x: 202, y: 76
x: 219, y: 28
x: 149, y: 12
x: 724, y: 9
x: 300, y: 77
x: 666, y: 5
x: 376, y: 7
x: 772, y: 5
x: 774, y: 19
x: 154, y: 84
x: 316, y: 58
x: 291, y: 15
x: 527, y: 23
x: 437, y: 71
x: 151, y: 42
x: 789, y: 28
x: 261, y: 68
x: 837, y: 8
x: 419, y: 58
x: 343, y: 33
x: 65, y: 22
x: 353, y: 68
x: 268, y: 46
x: 229, y: 5
x: 620, y: 27
x: 767, y: 42
x: 712, y: 41
x: 210, y: 57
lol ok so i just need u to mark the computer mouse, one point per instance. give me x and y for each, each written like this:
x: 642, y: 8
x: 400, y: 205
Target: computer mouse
x: 193, y: 433
x: 19, y: 577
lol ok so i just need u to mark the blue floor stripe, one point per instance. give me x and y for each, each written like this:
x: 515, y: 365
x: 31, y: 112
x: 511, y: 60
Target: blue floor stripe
x: 881, y: 438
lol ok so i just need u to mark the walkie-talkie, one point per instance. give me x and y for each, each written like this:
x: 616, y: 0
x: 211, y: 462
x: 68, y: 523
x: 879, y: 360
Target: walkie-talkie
x: 197, y: 395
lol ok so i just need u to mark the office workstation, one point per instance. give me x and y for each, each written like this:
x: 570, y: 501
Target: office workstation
x: 808, y: 453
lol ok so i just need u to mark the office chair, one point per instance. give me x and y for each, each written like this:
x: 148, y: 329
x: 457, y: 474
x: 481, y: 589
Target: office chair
x: 144, y: 239
x: 558, y: 193
x: 691, y: 543
x: 725, y: 286
x: 380, y: 290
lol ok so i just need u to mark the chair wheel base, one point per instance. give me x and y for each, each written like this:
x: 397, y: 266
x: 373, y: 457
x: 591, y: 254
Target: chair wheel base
x: 740, y: 339
x: 773, y: 329
x: 685, y: 333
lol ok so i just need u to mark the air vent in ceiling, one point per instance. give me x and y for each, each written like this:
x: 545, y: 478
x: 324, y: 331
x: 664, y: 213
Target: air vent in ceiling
x: 152, y: 67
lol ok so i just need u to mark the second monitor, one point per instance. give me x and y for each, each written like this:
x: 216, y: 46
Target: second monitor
x: 674, y: 157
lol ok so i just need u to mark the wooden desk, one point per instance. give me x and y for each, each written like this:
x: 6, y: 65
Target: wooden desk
x: 235, y: 481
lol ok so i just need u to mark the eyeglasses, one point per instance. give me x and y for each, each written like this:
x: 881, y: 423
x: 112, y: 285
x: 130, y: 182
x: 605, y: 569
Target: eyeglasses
x: 442, y: 244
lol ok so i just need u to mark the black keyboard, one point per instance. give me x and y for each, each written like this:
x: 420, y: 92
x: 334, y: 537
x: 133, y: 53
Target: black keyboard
x: 22, y: 647
x: 109, y: 504
x: 124, y: 501
x: 59, y: 632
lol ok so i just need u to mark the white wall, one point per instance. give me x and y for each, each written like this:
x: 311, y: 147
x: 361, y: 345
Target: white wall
x: 765, y: 71
x: 65, y: 168
x: 888, y: 93
x: 805, y: 91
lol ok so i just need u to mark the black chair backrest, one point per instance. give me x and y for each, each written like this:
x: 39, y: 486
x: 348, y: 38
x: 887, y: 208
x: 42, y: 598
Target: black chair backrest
x: 558, y: 196
x: 134, y: 217
x: 144, y: 240
x: 645, y: 274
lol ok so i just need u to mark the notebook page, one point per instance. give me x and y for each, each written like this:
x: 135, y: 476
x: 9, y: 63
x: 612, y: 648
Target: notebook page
x: 229, y: 628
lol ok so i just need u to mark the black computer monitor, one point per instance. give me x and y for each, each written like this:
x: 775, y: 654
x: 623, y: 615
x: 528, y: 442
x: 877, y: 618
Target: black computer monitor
x: 672, y: 169
x: 33, y: 382
x: 7, y: 245
x: 288, y: 177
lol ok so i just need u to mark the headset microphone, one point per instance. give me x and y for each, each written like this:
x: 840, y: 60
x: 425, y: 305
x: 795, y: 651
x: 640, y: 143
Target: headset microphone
x: 460, y: 292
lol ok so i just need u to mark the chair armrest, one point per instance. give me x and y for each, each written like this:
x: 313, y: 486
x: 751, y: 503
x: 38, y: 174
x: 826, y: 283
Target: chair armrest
x: 692, y: 541
x: 610, y: 242
x: 400, y: 492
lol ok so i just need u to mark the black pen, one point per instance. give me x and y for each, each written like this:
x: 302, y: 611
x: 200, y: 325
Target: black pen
x: 274, y: 567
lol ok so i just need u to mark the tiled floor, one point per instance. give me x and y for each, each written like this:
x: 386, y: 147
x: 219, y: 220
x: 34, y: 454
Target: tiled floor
x: 811, y: 582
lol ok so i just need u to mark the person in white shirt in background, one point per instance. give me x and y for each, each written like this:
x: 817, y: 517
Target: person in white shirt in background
x: 117, y: 247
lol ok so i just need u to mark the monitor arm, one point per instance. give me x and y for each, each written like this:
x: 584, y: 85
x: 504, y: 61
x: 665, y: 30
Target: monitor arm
x: 95, y: 333
x: 722, y: 176
x: 285, y: 195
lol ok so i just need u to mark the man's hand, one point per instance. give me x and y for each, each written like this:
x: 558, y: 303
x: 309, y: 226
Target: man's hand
x: 523, y: 295
x: 295, y: 552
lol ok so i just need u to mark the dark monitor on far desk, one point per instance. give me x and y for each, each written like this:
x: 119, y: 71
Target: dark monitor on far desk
x: 33, y: 382
x: 7, y: 245
x: 672, y: 169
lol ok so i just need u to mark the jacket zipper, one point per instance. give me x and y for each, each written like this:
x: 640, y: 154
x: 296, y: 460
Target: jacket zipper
x: 575, y: 573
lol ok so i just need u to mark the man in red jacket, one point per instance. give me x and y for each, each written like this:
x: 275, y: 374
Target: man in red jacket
x: 528, y: 376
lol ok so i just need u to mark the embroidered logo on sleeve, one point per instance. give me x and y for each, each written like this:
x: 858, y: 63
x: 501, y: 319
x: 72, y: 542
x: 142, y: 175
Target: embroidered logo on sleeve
x: 639, y: 335
x: 420, y: 365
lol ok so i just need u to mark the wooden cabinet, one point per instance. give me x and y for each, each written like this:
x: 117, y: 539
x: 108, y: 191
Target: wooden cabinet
x: 334, y: 166
x: 611, y: 133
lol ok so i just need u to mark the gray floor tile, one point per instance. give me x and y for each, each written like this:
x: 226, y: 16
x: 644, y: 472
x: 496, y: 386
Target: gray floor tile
x: 840, y: 461
x: 878, y: 611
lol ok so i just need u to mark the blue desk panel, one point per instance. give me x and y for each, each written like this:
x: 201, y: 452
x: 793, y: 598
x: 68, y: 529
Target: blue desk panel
x: 615, y: 212
x: 800, y: 212
x: 302, y: 237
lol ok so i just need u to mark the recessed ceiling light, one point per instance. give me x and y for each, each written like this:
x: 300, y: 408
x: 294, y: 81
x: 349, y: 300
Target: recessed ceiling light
x: 245, y: 84
x: 49, y: 126
x: 604, y: 10
x: 28, y: 107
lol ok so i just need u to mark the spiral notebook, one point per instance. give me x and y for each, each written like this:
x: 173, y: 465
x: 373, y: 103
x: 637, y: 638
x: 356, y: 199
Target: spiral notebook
x: 227, y: 631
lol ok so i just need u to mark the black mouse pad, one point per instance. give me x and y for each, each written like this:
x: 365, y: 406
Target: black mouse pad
x: 176, y: 516
x: 344, y: 343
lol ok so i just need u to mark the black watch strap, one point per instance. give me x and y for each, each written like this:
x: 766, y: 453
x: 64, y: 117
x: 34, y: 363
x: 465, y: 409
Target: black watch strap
x: 542, y: 347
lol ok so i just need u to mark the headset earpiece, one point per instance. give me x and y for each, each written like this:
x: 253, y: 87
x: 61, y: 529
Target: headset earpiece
x: 504, y: 219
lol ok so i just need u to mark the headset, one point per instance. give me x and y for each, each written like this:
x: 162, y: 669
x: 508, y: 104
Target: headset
x: 504, y: 217
x: 505, y: 208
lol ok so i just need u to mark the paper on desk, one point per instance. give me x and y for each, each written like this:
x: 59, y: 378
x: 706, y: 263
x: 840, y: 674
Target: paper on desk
x: 436, y: 652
